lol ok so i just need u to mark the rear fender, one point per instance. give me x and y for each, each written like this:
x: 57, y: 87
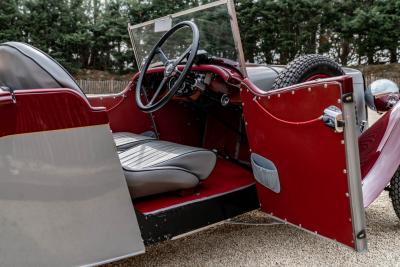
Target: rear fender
x: 379, y: 153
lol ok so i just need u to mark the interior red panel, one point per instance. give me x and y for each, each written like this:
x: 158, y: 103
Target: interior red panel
x: 123, y: 113
x: 225, y: 133
x: 226, y: 177
x: 179, y: 123
x: 284, y: 127
x: 48, y: 109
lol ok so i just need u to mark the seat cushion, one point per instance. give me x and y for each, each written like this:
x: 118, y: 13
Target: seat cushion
x: 158, y: 166
x: 154, y: 181
x: 125, y: 140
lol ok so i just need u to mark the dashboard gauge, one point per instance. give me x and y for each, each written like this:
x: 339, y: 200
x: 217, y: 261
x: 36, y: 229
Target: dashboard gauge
x: 186, y: 88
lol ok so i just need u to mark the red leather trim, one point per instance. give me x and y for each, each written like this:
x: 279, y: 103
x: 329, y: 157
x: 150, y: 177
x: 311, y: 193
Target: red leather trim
x: 228, y: 75
x: 48, y: 109
x: 346, y: 81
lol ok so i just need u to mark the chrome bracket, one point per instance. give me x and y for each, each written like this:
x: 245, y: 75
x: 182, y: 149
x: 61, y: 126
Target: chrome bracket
x: 333, y: 118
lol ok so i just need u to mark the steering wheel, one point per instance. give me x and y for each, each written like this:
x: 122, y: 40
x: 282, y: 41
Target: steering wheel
x: 170, y: 69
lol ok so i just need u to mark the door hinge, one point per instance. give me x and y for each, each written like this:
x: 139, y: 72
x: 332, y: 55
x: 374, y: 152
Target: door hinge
x: 348, y: 98
x: 362, y: 234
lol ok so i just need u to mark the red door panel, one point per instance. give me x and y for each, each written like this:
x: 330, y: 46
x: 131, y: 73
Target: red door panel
x: 285, y: 127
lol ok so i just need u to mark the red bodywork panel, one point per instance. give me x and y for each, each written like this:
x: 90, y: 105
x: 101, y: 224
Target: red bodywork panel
x: 379, y: 153
x: 39, y: 110
x: 369, y: 142
x: 284, y: 126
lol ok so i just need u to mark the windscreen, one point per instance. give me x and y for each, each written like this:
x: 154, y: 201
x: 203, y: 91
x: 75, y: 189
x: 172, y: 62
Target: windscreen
x: 213, y: 21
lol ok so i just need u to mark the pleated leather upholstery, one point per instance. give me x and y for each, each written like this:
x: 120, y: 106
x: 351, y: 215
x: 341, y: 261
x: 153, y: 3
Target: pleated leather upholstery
x: 158, y: 166
x: 124, y: 140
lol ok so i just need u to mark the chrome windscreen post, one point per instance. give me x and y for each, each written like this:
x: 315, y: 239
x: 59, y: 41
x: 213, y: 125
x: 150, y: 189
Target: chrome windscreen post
x: 354, y: 173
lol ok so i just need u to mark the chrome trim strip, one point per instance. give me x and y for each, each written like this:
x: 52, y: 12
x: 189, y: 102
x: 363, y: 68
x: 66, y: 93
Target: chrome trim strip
x: 354, y: 176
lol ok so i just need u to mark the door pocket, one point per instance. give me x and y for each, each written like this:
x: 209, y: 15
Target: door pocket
x: 265, y: 172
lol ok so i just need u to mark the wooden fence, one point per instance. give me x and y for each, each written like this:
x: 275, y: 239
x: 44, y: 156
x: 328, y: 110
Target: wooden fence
x: 102, y: 87
x: 114, y: 86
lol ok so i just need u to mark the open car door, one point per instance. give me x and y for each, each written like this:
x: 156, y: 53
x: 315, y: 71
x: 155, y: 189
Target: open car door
x: 64, y: 200
x: 305, y: 157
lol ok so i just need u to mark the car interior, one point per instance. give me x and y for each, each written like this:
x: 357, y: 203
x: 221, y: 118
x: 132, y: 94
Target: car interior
x: 192, y: 149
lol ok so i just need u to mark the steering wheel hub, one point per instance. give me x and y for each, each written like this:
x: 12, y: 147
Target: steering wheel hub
x: 169, y: 69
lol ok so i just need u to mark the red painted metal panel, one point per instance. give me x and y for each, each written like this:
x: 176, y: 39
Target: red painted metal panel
x: 285, y: 127
x: 48, y: 109
x: 122, y: 111
x: 369, y: 142
x: 379, y: 150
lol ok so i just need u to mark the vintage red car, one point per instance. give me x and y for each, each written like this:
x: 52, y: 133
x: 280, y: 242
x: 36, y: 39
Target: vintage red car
x: 199, y: 136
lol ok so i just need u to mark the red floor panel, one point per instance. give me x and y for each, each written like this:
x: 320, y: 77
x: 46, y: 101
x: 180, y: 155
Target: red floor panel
x: 225, y: 178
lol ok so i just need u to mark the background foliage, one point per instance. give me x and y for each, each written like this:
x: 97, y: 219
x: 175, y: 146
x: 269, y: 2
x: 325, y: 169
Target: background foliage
x: 92, y: 34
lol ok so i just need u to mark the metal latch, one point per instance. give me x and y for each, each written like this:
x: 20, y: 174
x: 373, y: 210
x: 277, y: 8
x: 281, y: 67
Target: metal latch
x: 333, y: 118
x: 7, y: 95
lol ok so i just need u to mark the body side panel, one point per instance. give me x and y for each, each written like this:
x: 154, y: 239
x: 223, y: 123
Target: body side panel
x: 285, y: 127
x: 64, y: 200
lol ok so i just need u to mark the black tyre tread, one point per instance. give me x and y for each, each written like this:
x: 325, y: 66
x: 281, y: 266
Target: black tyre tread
x: 299, y: 67
x: 394, y: 192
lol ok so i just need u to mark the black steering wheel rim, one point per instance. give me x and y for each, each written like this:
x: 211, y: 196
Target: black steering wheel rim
x: 170, y: 68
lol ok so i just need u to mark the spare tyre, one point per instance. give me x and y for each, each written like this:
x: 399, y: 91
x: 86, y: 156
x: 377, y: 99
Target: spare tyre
x: 307, y: 68
x: 394, y: 192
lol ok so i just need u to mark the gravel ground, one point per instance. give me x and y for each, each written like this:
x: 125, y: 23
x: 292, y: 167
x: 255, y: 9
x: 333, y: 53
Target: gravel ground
x: 264, y: 245
x: 245, y: 245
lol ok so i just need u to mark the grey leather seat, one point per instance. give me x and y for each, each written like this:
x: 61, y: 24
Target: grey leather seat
x: 155, y: 167
x: 125, y: 140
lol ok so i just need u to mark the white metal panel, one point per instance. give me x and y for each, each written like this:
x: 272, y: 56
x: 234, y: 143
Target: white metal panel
x: 64, y: 200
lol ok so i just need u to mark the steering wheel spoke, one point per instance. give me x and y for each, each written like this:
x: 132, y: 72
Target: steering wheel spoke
x: 164, y: 59
x: 171, y: 69
x: 159, y: 89
x: 183, y: 56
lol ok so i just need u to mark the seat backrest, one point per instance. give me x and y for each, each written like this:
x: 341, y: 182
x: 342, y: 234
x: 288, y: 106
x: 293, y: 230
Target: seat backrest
x: 23, y: 66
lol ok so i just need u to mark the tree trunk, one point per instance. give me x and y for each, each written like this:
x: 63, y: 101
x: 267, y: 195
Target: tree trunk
x: 345, y: 51
x: 393, y: 55
x: 370, y: 56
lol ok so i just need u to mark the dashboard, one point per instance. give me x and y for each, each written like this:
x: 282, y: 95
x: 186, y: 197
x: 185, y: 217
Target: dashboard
x: 199, y: 84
